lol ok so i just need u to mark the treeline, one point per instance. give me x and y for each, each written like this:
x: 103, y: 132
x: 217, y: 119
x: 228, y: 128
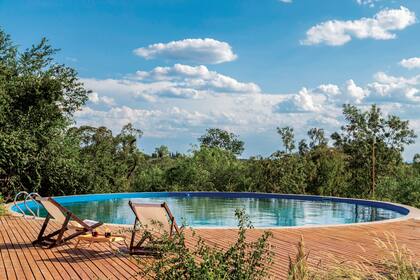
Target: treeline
x: 41, y: 150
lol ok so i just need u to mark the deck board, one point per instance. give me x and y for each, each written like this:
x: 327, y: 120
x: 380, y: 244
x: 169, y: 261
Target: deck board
x: 20, y: 260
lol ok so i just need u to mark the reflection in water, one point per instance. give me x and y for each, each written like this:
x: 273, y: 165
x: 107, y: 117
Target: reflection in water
x: 264, y: 212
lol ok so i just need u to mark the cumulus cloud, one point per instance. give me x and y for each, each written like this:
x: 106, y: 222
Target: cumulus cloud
x: 198, y: 77
x: 387, y: 88
x: 178, y: 81
x: 354, y: 93
x: 151, y: 101
x: 206, y: 51
x: 322, y: 98
x: 96, y: 99
x: 411, y: 63
x: 379, y: 27
x: 303, y: 101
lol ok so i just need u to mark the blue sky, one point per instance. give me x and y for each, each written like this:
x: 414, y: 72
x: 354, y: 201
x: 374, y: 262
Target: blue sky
x: 246, y: 66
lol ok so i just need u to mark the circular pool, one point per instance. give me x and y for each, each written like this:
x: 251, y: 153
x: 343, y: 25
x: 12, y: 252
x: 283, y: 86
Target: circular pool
x: 217, y: 209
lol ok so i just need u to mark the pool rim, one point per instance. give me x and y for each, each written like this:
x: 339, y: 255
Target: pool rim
x: 408, y: 212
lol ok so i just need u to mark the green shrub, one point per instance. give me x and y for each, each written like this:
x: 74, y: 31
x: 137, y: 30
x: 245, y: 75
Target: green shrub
x: 403, y: 189
x: 243, y: 260
x: 2, y: 208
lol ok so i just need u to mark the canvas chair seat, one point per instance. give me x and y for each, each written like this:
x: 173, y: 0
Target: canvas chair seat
x: 75, y: 225
x: 66, y: 219
x: 153, y: 218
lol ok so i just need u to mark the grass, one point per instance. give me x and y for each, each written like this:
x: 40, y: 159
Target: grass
x: 396, y: 264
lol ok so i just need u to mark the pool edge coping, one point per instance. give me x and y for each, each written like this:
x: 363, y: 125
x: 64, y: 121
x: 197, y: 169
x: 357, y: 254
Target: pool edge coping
x: 413, y: 213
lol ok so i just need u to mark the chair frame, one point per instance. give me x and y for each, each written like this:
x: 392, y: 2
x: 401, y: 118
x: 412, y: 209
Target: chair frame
x: 139, y: 249
x: 51, y: 242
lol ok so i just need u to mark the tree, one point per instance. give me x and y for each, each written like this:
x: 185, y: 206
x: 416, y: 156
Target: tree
x: 317, y: 137
x: 161, y: 152
x: 288, y: 138
x: 374, y: 144
x: 37, y: 100
x: 222, y: 139
x: 110, y: 161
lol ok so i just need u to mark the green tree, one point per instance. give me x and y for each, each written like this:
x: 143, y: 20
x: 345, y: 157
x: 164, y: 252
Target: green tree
x: 317, y: 138
x: 288, y: 138
x: 110, y: 161
x: 37, y: 100
x: 222, y: 139
x: 374, y: 144
x: 161, y: 152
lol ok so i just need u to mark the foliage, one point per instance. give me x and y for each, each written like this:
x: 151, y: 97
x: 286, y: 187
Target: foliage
x: 41, y: 151
x: 110, y: 161
x: 219, y: 138
x: 37, y: 100
x: 2, y: 209
x: 298, y: 267
x: 403, y: 188
x: 396, y: 264
x: 374, y: 144
x: 288, y: 137
x: 242, y: 261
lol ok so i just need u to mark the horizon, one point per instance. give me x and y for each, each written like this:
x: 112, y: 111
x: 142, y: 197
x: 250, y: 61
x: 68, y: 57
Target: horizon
x: 175, y: 68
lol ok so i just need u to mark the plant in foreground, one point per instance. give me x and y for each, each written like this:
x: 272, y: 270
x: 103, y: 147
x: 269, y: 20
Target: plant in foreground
x: 242, y: 261
x: 397, y: 264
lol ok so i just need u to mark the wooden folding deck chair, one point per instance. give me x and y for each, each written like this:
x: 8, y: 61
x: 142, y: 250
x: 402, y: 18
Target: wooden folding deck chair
x: 153, y: 216
x: 66, y: 219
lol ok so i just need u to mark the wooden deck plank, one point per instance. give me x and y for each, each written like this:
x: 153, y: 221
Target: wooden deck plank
x: 26, y: 250
x: 48, y: 259
x: 19, y: 268
x: 10, y: 271
x: 20, y: 260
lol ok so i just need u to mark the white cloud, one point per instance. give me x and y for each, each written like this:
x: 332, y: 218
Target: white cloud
x: 370, y: 3
x: 386, y: 88
x: 206, y: 51
x: 146, y: 99
x: 286, y: 1
x: 96, y: 99
x: 322, y: 98
x: 303, y: 101
x: 379, y: 27
x: 178, y: 81
x: 198, y: 77
x: 328, y: 89
x: 354, y: 93
x: 411, y: 63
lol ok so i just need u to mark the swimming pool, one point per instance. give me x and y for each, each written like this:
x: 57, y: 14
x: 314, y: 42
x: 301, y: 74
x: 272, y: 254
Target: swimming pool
x: 217, y: 209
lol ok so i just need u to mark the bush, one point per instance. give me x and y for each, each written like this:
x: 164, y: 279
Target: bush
x: 2, y: 209
x: 403, y: 189
x: 243, y: 260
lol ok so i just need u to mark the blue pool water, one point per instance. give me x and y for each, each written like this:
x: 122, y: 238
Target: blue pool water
x: 218, y: 209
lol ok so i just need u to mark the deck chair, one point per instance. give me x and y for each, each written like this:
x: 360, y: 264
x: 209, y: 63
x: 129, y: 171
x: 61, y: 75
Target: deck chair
x: 151, y: 216
x: 66, y: 219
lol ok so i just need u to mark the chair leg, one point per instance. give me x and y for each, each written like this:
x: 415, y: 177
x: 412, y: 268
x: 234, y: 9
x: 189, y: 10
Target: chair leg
x: 41, y: 233
x: 61, y: 232
x: 133, y: 235
x: 80, y: 232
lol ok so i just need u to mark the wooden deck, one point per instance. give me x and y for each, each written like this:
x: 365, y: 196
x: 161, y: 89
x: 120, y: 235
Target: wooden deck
x: 20, y: 260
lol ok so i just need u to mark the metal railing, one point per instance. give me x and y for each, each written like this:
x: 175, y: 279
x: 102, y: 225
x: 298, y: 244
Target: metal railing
x: 32, y: 196
x: 28, y: 196
x: 16, y: 199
